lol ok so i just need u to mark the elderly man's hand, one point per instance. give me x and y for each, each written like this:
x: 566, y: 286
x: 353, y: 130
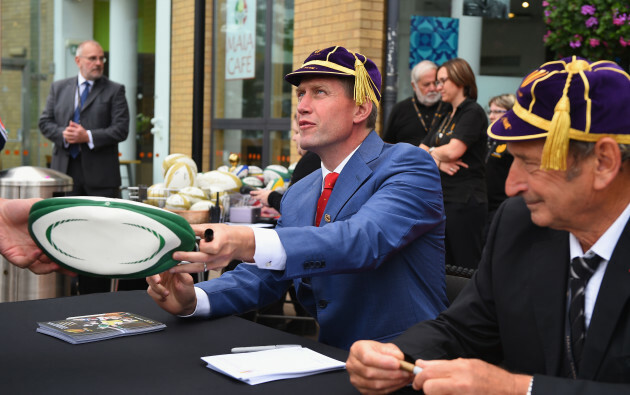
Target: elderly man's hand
x: 374, y: 367
x: 468, y: 376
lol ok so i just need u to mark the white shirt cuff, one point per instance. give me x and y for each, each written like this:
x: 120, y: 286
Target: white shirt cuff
x: 203, y: 305
x: 91, y: 142
x: 270, y: 253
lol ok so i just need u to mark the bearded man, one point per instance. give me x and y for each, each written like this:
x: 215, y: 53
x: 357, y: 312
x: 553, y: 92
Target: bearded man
x: 412, y: 118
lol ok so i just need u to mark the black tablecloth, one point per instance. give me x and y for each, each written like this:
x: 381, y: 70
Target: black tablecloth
x: 165, y: 362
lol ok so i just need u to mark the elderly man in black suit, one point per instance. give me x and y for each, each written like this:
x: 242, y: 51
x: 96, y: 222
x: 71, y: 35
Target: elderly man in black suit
x: 86, y: 117
x: 550, y: 303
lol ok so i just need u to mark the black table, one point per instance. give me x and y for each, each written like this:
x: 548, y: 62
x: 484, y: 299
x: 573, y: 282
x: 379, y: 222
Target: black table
x: 165, y: 362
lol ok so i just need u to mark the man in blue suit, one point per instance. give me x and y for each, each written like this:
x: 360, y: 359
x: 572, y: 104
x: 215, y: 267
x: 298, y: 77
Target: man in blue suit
x: 368, y: 265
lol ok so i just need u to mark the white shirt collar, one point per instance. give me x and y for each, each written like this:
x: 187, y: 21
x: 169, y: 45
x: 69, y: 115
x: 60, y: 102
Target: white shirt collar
x: 82, y: 80
x: 605, y: 245
x: 339, y: 168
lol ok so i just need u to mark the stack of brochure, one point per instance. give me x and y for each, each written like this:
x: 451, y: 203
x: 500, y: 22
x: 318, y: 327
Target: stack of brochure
x: 90, y: 328
x: 263, y: 366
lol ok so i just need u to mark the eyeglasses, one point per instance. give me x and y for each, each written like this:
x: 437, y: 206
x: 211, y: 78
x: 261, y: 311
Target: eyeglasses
x: 93, y: 59
x: 441, y: 81
x: 490, y: 112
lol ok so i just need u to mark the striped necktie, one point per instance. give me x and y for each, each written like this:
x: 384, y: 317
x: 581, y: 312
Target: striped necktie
x: 582, y: 269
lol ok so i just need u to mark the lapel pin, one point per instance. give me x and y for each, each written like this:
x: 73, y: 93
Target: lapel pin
x: 327, y: 217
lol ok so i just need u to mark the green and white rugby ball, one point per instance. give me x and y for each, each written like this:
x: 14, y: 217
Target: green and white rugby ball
x: 107, y: 237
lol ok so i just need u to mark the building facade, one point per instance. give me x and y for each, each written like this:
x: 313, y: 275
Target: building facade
x: 205, y: 78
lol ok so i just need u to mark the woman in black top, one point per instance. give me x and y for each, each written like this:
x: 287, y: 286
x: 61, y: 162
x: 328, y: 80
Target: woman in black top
x: 458, y: 146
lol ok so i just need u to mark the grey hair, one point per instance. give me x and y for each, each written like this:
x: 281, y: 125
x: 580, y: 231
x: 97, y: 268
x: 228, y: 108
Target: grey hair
x: 580, y: 150
x: 421, y: 68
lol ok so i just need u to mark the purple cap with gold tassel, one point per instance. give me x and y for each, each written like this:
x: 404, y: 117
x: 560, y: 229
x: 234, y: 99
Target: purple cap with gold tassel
x: 338, y: 61
x: 568, y: 99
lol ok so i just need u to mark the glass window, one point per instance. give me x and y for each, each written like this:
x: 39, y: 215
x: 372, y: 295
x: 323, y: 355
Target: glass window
x: 251, y: 101
x: 246, y: 143
x: 280, y: 147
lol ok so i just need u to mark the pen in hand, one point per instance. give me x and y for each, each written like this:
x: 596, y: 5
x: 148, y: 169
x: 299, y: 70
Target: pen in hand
x: 208, y: 235
x: 409, y: 367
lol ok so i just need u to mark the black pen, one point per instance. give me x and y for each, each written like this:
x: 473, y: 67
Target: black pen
x: 208, y: 235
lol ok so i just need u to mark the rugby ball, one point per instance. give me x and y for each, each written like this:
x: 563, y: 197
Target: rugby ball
x: 219, y: 181
x: 275, y: 184
x: 177, y: 158
x: 107, y: 237
x: 156, y: 193
x: 281, y: 170
x: 177, y: 202
x: 180, y: 175
x: 241, y: 171
x: 254, y: 182
x: 202, y: 205
x: 255, y: 170
x: 193, y: 194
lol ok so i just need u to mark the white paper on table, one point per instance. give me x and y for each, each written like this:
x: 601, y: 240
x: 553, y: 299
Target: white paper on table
x: 263, y: 366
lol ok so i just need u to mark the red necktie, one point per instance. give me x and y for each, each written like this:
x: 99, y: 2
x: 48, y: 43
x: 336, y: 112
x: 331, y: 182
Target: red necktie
x: 329, y: 184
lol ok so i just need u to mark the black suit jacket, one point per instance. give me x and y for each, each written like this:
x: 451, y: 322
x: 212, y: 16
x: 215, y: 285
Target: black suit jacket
x: 513, y: 311
x: 105, y: 113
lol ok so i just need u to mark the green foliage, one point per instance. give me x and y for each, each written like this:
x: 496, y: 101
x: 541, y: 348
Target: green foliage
x: 592, y: 29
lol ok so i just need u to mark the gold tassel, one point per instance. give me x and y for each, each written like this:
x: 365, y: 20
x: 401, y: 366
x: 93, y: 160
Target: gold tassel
x: 362, y: 83
x: 556, y: 149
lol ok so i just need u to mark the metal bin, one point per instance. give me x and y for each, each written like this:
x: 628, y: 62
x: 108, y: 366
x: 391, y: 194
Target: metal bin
x: 21, y: 183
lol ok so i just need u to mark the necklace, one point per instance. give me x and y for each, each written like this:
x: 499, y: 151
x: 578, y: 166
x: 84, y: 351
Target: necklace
x: 436, y: 115
x: 446, y: 128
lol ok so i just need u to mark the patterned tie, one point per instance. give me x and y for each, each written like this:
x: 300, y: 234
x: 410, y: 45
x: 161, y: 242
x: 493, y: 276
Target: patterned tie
x: 329, y: 184
x: 74, y: 148
x: 581, y: 271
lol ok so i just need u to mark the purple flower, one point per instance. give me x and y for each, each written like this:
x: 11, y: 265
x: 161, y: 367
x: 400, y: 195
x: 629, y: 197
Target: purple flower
x: 575, y: 44
x: 624, y: 43
x: 594, y: 42
x: 619, y: 20
x: 588, y: 10
x: 545, y: 3
x: 592, y: 21
x: 547, y: 13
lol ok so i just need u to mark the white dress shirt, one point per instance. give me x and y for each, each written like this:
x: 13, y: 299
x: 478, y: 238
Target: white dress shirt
x: 77, y: 98
x: 269, y: 253
x: 603, y: 247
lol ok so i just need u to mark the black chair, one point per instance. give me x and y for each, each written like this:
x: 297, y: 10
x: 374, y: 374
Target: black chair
x: 456, y: 279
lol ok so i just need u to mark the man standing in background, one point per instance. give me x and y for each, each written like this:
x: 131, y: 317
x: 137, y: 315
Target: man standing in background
x: 86, y: 117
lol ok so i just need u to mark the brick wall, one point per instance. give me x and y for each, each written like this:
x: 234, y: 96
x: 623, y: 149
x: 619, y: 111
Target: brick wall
x: 358, y: 25
x: 182, y: 59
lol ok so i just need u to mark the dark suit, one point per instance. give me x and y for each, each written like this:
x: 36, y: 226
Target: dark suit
x: 105, y: 113
x: 513, y: 311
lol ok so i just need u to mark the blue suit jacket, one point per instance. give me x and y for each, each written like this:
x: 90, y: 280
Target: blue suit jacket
x: 375, y: 269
